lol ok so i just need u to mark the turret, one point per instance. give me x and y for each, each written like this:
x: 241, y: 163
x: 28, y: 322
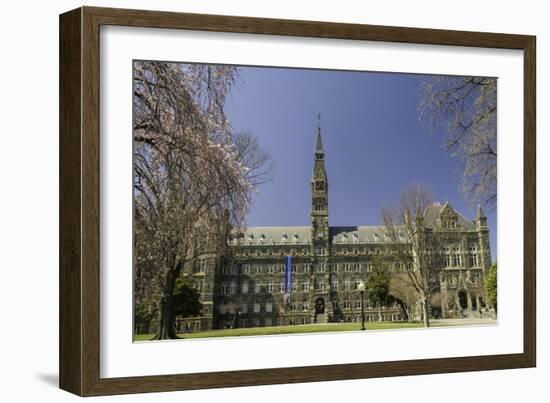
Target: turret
x: 481, y: 219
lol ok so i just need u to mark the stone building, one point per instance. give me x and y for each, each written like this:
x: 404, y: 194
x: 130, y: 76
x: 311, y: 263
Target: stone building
x: 247, y: 288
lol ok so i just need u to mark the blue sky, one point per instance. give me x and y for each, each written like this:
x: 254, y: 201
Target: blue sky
x: 374, y: 143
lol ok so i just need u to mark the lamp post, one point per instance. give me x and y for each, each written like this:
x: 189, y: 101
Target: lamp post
x: 361, y: 288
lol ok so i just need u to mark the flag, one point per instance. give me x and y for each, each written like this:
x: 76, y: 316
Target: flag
x: 288, y: 274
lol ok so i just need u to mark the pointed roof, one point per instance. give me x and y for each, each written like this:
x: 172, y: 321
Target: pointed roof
x: 319, y: 147
x: 434, y: 210
x: 480, y: 213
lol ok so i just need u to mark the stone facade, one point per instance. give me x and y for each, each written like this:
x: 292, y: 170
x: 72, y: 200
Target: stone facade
x: 247, y: 288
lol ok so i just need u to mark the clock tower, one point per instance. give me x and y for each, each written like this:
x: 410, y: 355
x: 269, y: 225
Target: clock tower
x: 319, y: 195
x: 321, y: 300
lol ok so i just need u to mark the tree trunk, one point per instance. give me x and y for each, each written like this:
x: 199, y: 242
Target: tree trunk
x: 425, y: 312
x: 403, y: 308
x: 167, y: 317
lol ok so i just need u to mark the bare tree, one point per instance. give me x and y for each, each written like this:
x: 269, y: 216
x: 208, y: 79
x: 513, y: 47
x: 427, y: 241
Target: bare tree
x: 249, y: 153
x: 465, y: 108
x: 191, y: 184
x: 414, y: 247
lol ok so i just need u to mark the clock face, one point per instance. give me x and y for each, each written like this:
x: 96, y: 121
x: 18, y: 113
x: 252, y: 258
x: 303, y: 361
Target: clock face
x: 319, y: 185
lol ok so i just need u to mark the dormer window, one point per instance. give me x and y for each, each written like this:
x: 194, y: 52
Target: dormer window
x: 295, y: 238
x: 284, y: 238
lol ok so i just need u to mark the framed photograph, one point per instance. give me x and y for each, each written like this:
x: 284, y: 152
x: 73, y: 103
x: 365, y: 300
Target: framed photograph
x: 249, y: 201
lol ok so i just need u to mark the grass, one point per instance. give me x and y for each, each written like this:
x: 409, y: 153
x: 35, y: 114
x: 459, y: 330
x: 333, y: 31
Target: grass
x: 272, y: 330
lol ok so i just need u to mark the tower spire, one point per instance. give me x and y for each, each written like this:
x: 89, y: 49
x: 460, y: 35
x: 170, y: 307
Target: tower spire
x: 319, y: 147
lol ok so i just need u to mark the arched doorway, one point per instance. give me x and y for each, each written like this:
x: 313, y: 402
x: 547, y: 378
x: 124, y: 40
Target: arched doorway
x: 320, y: 316
x: 319, y: 306
x: 463, y: 299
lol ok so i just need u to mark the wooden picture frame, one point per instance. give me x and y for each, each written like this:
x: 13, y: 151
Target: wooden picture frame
x: 79, y: 346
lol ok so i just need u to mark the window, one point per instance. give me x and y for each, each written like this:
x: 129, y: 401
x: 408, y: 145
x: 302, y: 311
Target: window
x: 347, y: 284
x: 447, y: 261
x: 347, y: 304
x: 369, y: 266
x: 457, y: 260
x: 334, y: 284
x: 356, y: 267
x: 225, y: 288
x: 320, y: 285
x: 269, y: 306
x: 269, y: 286
x: 358, y: 304
x: 322, y: 267
x: 256, y: 307
x: 202, y: 265
x: 473, y: 260
x: 244, y: 287
x: 258, y: 287
x: 233, y: 288
x: 346, y: 266
x: 246, y: 268
x: 305, y: 286
x: 244, y: 308
x: 306, y: 306
x: 356, y: 284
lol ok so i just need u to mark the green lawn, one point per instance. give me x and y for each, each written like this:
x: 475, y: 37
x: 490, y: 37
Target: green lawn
x: 258, y: 331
